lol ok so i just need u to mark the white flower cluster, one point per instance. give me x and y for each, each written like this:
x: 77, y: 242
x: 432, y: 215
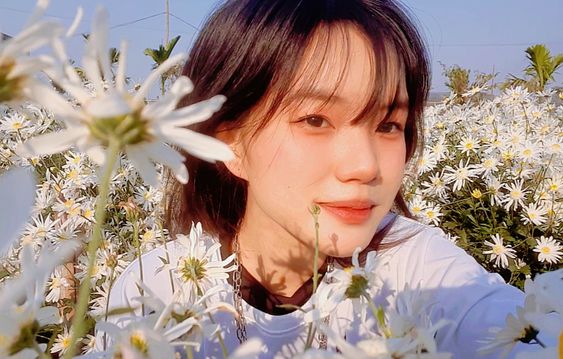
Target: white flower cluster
x: 542, y: 314
x: 493, y: 170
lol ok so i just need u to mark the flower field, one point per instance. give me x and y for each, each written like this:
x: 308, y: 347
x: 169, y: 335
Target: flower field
x: 491, y: 176
x: 94, y: 153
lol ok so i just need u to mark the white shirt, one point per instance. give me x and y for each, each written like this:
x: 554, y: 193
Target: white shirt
x: 462, y: 292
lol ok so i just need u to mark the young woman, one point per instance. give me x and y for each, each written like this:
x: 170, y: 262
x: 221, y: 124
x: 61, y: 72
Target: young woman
x: 324, y: 107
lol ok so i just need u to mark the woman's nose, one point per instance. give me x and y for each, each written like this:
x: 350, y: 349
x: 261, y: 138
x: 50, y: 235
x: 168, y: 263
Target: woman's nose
x: 356, y: 156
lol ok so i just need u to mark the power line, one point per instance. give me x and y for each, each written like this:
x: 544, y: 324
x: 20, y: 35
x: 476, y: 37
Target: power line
x: 29, y: 12
x: 185, y: 22
x: 137, y: 20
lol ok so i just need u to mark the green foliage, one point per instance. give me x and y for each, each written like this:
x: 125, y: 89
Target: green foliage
x: 540, y: 71
x: 460, y: 84
x: 161, y: 54
x: 457, y: 80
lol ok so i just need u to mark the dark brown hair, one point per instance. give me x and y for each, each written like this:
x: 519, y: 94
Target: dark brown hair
x: 250, y: 48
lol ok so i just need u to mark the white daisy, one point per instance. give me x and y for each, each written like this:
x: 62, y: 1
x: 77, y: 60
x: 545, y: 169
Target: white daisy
x: 515, y: 196
x: 197, y: 263
x: 435, y: 186
x: 432, y: 215
x: 517, y: 328
x: 528, y: 151
x: 488, y: 166
x: 499, y: 252
x: 56, y: 286
x: 548, y: 250
x: 467, y: 145
x: 426, y: 162
x: 460, y: 175
x: 14, y: 123
x: 356, y: 282
x: 417, y: 205
x: 62, y: 342
x: 112, y: 116
x: 17, y: 68
x: 534, y: 213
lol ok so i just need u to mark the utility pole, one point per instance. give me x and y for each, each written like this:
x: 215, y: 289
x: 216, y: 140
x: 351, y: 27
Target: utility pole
x: 167, y: 13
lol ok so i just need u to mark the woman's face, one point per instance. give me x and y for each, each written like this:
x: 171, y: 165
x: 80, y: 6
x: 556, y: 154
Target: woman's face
x: 317, y: 152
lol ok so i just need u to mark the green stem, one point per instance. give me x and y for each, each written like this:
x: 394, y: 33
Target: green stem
x: 220, y: 338
x: 377, y: 314
x: 137, y: 244
x: 78, y: 322
x: 112, y: 280
x: 315, y: 210
x: 316, y: 257
x: 167, y: 258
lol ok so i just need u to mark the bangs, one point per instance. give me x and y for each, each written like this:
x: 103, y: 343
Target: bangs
x: 323, y: 67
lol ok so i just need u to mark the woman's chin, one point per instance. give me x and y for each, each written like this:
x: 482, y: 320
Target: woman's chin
x: 341, y: 246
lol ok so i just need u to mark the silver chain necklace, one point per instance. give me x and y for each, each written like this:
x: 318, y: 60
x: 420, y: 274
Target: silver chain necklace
x: 237, y: 297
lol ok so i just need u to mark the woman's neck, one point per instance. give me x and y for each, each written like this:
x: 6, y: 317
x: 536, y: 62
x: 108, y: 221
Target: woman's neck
x: 278, y: 260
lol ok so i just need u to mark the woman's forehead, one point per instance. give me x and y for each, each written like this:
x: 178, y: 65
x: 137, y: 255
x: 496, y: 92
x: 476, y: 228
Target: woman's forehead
x: 340, y: 65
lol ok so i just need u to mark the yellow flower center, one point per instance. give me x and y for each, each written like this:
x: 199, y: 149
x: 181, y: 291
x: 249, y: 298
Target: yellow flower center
x: 17, y: 125
x: 515, y: 194
x: 138, y: 341
x: 72, y: 175
x: 10, y: 88
x: 55, y: 283
x: 129, y: 128
x: 148, y: 235
x: 358, y: 287
x: 498, y: 249
x: 545, y: 250
x: 88, y: 213
x: 476, y: 194
x: 193, y: 269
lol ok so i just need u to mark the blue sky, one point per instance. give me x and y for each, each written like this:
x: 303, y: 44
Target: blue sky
x: 478, y: 35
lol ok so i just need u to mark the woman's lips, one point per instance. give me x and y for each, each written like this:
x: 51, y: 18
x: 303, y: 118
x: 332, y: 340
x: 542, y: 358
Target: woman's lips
x: 350, y: 214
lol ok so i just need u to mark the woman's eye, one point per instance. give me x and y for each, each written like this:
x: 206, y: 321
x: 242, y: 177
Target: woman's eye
x: 316, y: 121
x: 389, y: 127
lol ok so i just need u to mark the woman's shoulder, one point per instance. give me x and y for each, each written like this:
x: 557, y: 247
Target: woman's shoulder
x: 407, y: 234
x: 425, y: 254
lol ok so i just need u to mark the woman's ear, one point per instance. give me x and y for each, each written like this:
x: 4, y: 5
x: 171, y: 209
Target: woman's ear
x: 232, y: 137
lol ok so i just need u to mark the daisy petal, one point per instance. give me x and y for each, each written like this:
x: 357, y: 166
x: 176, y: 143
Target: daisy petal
x: 155, y: 75
x: 204, y: 147
x: 168, y: 102
x: 49, y: 143
x: 195, y: 113
x: 143, y: 166
x: 162, y: 153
